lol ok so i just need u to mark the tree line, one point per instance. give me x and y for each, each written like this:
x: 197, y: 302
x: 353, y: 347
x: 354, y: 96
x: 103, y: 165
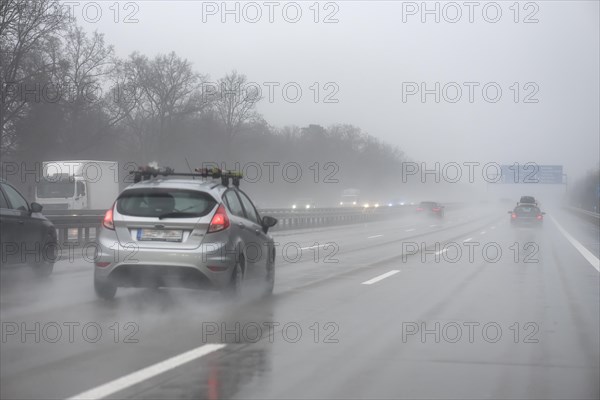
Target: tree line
x: 66, y: 95
x: 585, y: 192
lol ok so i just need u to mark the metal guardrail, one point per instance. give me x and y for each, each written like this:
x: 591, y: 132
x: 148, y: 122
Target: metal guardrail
x: 590, y: 214
x: 78, y: 227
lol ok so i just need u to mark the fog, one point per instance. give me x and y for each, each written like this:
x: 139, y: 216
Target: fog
x: 370, y: 51
x: 418, y: 214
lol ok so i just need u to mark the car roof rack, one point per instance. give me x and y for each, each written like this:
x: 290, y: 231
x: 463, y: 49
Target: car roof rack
x: 148, y: 172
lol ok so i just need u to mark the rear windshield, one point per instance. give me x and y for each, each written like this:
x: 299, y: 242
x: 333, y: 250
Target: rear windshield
x: 525, y: 210
x: 165, y: 203
x: 527, y: 199
x: 428, y: 204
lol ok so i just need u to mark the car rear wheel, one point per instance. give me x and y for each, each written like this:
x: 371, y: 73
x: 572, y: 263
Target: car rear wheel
x: 270, y: 281
x: 236, y: 283
x: 43, y: 269
x: 105, y: 290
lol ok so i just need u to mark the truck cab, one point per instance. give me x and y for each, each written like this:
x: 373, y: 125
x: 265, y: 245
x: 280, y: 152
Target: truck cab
x: 350, y: 198
x: 62, y: 192
x: 78, y: 185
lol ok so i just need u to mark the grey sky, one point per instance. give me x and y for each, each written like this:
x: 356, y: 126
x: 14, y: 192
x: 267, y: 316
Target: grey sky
x: 370, y: 52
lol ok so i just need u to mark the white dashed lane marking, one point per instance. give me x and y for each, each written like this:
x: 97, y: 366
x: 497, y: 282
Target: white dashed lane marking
x: 381, y: 277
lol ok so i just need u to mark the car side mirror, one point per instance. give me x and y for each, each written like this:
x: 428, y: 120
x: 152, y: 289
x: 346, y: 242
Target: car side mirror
x: 268, y: 222
x: 36, y: 207
x: 510, y: 212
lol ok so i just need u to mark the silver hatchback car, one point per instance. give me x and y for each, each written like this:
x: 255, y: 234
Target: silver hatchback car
x: 185, y: 233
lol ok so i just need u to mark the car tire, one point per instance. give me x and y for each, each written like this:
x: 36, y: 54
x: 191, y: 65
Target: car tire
x: 105, y: 290
x: 44, y: 269
x: 235, y: 287
x: 270, y: 280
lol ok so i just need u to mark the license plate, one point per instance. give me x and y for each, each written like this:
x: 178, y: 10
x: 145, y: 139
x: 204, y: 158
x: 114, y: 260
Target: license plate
x: 164, y: 235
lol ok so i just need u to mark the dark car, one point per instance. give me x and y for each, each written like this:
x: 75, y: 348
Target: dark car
x: 431, y: 208
x: 26, y: 236
x: 526, y: 215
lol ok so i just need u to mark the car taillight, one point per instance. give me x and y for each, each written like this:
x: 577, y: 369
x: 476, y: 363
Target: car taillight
x: 219, y: 221
x: 102, y: 264
x: 540, y: 216
x: 108, y: 222
x: 513, y: 216
x: 419, y: 209
x: 436, y: 209
x: 217, y: 268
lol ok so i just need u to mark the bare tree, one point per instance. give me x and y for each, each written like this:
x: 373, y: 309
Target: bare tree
x: 25, y: 26
x: 159, y: 91
x: 86, y: 62
x: 235, y: 102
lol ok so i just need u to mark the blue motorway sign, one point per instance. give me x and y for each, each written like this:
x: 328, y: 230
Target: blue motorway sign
x: 531, y: 173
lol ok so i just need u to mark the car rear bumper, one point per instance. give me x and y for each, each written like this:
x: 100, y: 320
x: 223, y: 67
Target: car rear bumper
x: 529, y: 222
x: 208, y: 266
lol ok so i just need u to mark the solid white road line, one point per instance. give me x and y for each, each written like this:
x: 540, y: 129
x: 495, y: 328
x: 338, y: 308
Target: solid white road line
x: 467, y: 239
x: 374, y: 236
x: 592, y: 259
x: 146, y: 373
x: 482, y: 232
x: 432, y: 226
x: 441, y: 251
x: 410, y: 230
x: 381, y: 277
x: 317, y: 245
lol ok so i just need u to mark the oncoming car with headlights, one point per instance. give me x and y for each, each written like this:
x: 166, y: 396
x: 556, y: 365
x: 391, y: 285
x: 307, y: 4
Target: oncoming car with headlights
x: 187, y: 233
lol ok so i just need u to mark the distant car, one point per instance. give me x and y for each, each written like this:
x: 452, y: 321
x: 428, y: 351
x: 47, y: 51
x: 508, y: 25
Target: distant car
x: 184, y: 233
x: 26, y: 236
x: 303, y: 204
x: 526, y: 215
x: 431, y: 208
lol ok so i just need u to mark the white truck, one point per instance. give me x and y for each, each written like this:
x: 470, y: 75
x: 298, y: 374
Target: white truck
x: 350, y: 198
x: 78, y: 185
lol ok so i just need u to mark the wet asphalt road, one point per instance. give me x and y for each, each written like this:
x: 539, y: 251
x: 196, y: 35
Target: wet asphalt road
x: 486, y: 311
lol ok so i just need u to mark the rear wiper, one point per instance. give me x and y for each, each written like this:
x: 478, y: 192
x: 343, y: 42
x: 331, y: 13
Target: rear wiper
x: 177, y: 214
